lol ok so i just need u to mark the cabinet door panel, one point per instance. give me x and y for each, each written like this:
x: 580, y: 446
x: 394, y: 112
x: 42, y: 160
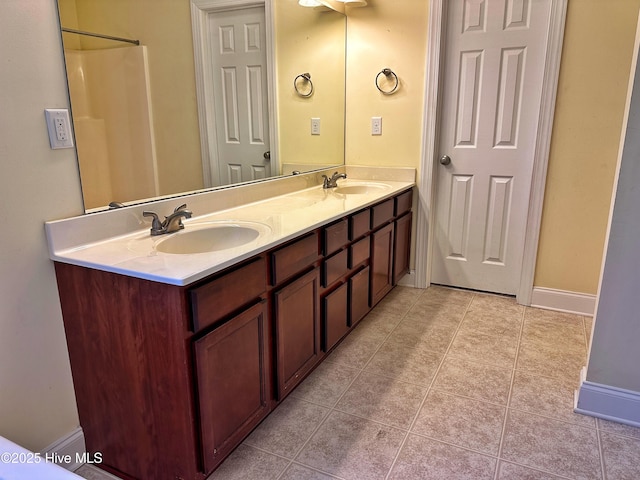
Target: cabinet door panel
x: 297, y: 315
x: 335, y: 316
x: 232, y: 376
x: 402, y: 248
x: 381, y: 263
x: 358, y: 296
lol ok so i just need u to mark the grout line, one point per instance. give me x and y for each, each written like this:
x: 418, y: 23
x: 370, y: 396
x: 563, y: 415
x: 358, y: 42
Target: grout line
x: 513, y: 377
x: 424, y: 399
x: 600, y: 451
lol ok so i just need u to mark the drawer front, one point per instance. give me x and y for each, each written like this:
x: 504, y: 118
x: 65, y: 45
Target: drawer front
x: 294, y: 258
x: 403, y: 203
x: 335, y: 237
x: 334, y: 267
x: 382, y: 213
x: 218, y: 298
x: 359, y: 224
x: 359, y: 252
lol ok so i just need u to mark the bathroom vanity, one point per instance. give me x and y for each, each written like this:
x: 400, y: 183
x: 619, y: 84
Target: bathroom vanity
x: 171, y: 377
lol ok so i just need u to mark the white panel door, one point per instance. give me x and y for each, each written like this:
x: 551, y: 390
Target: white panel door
x: 493, y: 73
x: 238, y: 50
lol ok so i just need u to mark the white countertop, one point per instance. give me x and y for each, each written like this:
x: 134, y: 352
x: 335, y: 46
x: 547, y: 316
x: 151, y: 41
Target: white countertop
x: 280, y: 218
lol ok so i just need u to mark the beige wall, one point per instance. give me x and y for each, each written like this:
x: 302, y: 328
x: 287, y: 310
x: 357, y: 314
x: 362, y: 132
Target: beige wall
x: 37, y: 404
x: 594, y: 75
x: 394, y: 35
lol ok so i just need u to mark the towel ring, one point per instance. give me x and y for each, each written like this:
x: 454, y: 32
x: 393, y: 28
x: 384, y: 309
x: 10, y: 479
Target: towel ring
x: 306, y: 77
x: 387, y: 72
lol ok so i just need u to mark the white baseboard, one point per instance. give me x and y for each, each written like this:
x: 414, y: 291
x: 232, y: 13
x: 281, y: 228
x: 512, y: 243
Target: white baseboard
x: 68, y: 450
x: 563, y: 301
x: 607, y: 402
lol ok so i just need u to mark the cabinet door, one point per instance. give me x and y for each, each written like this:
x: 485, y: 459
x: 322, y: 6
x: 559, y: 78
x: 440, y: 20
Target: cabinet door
x: 381, y: 263
x: 358, y: 296
x: 402, y: 247
x: 334, y: 313
x: 233, y: 378
x: 297, y: 319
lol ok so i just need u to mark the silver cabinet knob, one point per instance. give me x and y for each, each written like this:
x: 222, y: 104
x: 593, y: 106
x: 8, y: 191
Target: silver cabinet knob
x: 445, y: 160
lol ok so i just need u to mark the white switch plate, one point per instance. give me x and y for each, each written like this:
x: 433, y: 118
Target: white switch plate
x: 376, y: 125
x: 315, y: 126
x: 59, y: 128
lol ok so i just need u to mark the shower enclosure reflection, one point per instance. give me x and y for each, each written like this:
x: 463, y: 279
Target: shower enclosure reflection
x: 135, y: 108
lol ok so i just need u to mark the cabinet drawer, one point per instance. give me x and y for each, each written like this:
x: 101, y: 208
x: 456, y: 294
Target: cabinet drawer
x: 218, y: 298
x: 382, y: 213
x: 335, y: 237
x: 334, y: 267
x: 403, y: 203
x: 359, y: 252
x: 294, y: 258
x: 359, y: 224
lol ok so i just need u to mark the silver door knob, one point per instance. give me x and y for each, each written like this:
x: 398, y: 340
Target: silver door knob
x: 445, y: 160
x: 267, y: 155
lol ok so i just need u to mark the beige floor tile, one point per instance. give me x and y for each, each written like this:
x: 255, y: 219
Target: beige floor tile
x: 358, y: 347
x: 553, y: 328
x: 475, y: 380
x: 461, y: 421
x: 551, y: 397
x: 379, y: 321
x: 326, y: 384
x: 91, y: 472
x: 511, y: 471
x: 435, y: 336
x: 405, y: 363
x: 486, y: 343
x: 248, y: 463
x: 621, y: 457
x: 422, y: 458
x: 492, y: 323
x: 286, y: 429
x: 352, y: 448
x: 557, y: 447
x: 618, y: 428
x: 428, y: 311
x: 383, y: 400
x: 398, y: 301
x: 497, y: 305
x: 551, y: 360
x: 298, y: 472
x: 443, y: 295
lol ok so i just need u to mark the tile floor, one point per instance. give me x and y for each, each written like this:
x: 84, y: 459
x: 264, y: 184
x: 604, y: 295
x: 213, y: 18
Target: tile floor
x: 441, y: 384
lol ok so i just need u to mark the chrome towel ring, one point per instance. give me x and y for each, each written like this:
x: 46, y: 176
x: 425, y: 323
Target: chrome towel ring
x: 305, y: 78
x: 389, y: 74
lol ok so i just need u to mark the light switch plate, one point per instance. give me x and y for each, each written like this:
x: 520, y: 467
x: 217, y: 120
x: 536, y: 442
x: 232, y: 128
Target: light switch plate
x: 376, y: 125
x: 315, y: 126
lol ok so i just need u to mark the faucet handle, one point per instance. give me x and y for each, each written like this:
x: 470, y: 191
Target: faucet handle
x: 156, y: 224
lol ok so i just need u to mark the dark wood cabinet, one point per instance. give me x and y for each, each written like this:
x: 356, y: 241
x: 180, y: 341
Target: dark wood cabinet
x: 297, y: 323
x: 232, y: 368
x: 381, y: 263
x: 402, y: 249
x: 170, y: 379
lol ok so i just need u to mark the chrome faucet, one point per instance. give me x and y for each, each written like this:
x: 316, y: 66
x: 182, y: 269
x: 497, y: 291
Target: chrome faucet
x: 333, y: 181
x: 171, y: 224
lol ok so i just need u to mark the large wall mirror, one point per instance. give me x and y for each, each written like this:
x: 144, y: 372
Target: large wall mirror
x: 207, y: 98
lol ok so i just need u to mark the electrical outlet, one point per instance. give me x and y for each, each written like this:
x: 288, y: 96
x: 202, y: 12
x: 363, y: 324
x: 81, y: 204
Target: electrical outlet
x: 59, y: 128
x: 376, y: 125
x: 315, y: 126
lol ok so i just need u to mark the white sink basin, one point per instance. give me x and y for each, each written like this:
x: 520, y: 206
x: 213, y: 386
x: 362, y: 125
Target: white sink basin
x: 210, y: 237
x: 360, y: 188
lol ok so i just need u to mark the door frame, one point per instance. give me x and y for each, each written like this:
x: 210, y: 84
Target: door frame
x: 200, y: 9
x: 427, y: 178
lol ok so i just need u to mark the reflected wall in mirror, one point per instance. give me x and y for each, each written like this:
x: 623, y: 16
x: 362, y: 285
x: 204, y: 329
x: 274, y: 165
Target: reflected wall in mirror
x: 136, y: 108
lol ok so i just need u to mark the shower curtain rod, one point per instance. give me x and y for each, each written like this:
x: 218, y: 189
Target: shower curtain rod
x: 99, y: 35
